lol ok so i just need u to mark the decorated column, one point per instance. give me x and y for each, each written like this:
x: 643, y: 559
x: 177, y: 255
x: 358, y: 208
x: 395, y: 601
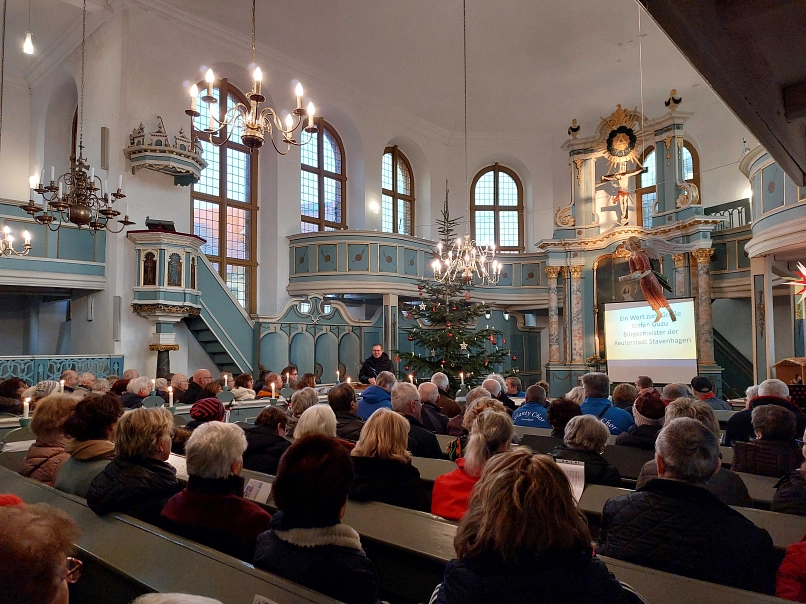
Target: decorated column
x: 554, y: 315
x: 705, y: 335
x: 577, y: 326
x: 679, y: 275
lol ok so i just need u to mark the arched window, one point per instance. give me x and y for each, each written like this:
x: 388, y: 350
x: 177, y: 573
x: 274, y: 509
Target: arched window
x: 225, y: 198
x: 646, y: 190
x: 324, y: 181
x: 496, y: 208
x: 397, y: 194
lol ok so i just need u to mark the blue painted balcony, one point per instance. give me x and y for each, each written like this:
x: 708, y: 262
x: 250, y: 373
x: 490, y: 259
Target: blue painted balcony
x: 369, y: 262
x: 68, y: 258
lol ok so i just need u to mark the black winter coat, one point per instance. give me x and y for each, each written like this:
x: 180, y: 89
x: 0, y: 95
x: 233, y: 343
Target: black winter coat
x: 192, y: 394
x: 597, y: 468
x: 725, y: 485
x: 348, y: 426
x: 389, y: 481
x: 683, y: 529
x: 139, y: 488
x: 423, y: 443
x: 740, y: 425
x: 263, y: 450
x: 790, y: 494
x: 573, y: 576
x: 641, y: 437
x: 130, y: 400
x: 433, y: 419
x: 372, y: 367
x: 329, y: 560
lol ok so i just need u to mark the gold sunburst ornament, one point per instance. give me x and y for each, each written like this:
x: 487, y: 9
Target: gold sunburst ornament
x: 620, y: 144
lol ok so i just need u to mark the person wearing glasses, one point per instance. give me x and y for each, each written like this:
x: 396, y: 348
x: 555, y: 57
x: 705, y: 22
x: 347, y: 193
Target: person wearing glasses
x: 195, y: 391
x: 372, y: 367
x: 180, y: 383
x: 36, y: 541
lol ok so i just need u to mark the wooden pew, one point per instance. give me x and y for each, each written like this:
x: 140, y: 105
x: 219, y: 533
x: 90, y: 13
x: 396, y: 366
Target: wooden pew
x: 723, y: 417
x: 444, y: 440
x: 761, y: 489
x: 541, y: 444
x: 154, y: 560
x: 628, y: 460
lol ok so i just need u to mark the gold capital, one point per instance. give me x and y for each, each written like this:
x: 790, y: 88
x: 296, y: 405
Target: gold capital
x: 703, y: 256
x: 162, y: 347
x: 552, y: 271
x: 679, y: 260
x: 576, y: 271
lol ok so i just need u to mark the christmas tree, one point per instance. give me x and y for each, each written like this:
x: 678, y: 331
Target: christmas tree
x: 448, y: 327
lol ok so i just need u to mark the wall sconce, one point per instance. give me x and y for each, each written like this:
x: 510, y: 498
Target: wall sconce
x: 488, y: 314
x: 506, y: 315
x: 374, y: 207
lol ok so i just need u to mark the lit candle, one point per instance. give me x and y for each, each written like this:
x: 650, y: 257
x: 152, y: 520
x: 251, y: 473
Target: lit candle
x: 338, y: 375
x: 299, y: 94
x: 272, y: 390
x: 27, y: 236
x: 462, y: 378
x: 26, y: 406
x: 194, y: 93
x: 348, y: 379
x: 287, y: 379
x: 311, y: 112
x: 210, y: 79
x: 153, y: 386
x: 170, y: 396
x: 258, y: 77
x: 411, y: 378
x: 61, y: 385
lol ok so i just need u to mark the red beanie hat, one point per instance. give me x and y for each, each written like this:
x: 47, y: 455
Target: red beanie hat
x: 9, y: 500
x: 207, y: 410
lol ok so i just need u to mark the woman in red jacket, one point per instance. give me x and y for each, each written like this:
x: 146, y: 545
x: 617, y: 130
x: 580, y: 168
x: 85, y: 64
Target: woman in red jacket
x: 491, y: 433
x: 790, y: 583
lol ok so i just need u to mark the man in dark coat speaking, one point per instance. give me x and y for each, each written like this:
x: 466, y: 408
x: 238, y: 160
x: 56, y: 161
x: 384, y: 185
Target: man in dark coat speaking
x: 379, y: 361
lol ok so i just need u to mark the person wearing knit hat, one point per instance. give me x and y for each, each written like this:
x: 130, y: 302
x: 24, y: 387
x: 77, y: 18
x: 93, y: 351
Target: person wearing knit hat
x: 206, y: 410
x: 10, y: 499
x: 648, y: 412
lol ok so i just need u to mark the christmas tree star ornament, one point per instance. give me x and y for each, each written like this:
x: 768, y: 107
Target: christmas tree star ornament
x: 422, y: 305
x: 463, y: 345
x: 799, y: 281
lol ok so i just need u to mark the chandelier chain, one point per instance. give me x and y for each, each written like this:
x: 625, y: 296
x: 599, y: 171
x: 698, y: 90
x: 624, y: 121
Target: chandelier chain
x: 2, y: 67
x: 464, y: 67
x: 83, y: 44
x: 254, y: 50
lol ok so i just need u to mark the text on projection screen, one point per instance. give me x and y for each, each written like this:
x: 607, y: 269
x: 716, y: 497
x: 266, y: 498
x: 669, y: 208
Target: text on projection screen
x: 666, y: 351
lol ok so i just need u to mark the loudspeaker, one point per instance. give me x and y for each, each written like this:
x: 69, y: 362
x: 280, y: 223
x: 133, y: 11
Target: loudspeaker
x: 116, y: 303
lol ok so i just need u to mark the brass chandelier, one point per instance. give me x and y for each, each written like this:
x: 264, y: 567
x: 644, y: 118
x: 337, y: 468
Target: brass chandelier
x: 256, y: 123
x: 466, y: 261
x: 75, y: 198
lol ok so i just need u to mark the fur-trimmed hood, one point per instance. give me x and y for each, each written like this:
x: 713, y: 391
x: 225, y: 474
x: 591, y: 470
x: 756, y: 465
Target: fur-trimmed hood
x: 340, y: 535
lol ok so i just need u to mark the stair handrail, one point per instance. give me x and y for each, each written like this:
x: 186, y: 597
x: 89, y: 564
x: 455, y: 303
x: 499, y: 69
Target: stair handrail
x: 227, y: 290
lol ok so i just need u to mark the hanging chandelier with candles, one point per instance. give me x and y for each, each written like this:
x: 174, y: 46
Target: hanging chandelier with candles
x: 465, y: 261
x: 78, y: 197
x: 7, y: 243
x: 256, y: 123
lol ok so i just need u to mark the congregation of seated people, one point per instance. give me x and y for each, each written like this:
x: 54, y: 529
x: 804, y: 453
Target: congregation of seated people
x: 520, y: 537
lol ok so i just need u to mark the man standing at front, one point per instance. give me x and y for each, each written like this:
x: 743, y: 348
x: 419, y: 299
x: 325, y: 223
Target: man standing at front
x: 372, y: 367
x: 597, y: 389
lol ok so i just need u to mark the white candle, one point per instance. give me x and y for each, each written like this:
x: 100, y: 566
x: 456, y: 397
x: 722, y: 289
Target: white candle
x: 52, y: 173
x: 120, y: 182
x: 92, y: 173
x: 60, y: 188
x: 411, y: 378
x: 26, y: 406
x: 126, y: 208
x: 348, y: 379
x: 272, y: 389
x: 42, y: 178
x: 61, y: 385
x: 153, y: 385
x: 170, y: 396
x: 287, y: 378
x: 462, y: 378
x: 338, y: 375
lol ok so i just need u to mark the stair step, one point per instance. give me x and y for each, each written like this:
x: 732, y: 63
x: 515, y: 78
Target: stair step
x: 195, y: 323
x: 206, y: 336
x: 220, y: 359
x: 214, y: 348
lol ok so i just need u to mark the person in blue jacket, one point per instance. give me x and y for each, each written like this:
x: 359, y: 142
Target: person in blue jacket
x: 533, y: 412
x: 377, y: 396
x: 597, y: 389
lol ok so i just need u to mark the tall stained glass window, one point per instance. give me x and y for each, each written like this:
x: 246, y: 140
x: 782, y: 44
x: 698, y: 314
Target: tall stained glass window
x: 323, y: 182
x: 496, y: 208
x: 224, y: 201
x: 397, y: 194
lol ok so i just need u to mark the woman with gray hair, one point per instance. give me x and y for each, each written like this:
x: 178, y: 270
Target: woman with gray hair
x: 136, y: 390
x: 773, y: 452
x: 585, y: 439
x: 212, y: 510
x: 302, y: 399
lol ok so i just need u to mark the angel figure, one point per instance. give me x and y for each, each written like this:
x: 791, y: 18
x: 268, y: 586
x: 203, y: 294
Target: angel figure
x: 652, y: 283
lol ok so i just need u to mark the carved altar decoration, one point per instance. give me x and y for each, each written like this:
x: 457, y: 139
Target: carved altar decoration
x: 182, y: 160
